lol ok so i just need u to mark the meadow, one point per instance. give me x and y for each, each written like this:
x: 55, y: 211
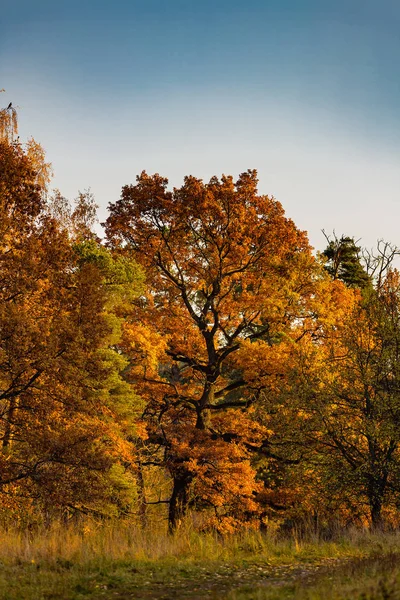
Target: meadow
x: 90, y: 561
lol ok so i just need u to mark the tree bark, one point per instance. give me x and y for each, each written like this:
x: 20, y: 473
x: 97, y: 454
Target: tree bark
x: 7, y: 439
x: 376, y: 514
x: 179, y: 500
x: 181, y: 482
x: 203, y: 412
x: 376, y: 491
x: 141, y: 495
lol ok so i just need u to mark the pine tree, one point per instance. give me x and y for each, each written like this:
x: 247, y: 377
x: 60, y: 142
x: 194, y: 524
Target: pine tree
x: 344, y: 263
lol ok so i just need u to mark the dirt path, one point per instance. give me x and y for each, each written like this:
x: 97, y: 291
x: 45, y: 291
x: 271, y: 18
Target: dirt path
x: 200, y: 583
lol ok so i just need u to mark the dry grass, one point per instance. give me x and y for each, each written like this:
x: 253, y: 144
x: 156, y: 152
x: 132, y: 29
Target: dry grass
x: 115, y: 541
x: 121, y: 560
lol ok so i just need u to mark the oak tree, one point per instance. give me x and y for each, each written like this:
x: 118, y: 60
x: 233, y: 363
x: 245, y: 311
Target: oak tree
x: 224, y: 268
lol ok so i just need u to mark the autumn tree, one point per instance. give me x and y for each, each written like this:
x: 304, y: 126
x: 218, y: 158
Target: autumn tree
x: 8, y: 122
x: 224, y: 268
x: 341, y: 392
x: 67, y: 414
x: 79, y: 218
x: 363, y: 391
x: 292, y: 372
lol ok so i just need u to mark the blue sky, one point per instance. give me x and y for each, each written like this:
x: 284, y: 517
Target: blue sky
x: 307, y: 92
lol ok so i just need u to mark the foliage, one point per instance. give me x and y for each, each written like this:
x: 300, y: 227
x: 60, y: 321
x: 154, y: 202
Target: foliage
x: 67, y: 415
x: 202, y: 358
x: 344, y: 261
x: 342, y: 400
x: 8, y: 123
x: 226, y: 270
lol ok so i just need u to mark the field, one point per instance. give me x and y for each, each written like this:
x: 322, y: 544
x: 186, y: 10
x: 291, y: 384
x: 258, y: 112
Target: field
x: 93, y: 562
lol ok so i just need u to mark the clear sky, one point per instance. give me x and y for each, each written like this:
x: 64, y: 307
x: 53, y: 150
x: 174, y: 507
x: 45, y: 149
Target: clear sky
x: 305, y: 91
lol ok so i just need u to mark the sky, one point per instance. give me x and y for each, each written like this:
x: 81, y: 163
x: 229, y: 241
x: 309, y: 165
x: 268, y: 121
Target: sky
x: 305, y: 91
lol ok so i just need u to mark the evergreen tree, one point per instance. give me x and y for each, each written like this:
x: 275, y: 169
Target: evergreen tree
x: 344, y: 263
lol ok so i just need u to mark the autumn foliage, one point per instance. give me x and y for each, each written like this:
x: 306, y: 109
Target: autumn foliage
x: 201, y: 359
x: 65, y: 409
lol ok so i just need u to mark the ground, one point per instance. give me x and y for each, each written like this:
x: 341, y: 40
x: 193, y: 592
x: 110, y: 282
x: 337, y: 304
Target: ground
x: 120, y: 564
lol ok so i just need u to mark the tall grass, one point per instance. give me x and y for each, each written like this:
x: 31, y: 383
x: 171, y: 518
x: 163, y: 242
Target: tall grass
x: 90, y: 560
x: 88, y: 542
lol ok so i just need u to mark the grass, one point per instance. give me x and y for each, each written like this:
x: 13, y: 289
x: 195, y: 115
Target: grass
x: 115, y: 561
x: 373, y: 578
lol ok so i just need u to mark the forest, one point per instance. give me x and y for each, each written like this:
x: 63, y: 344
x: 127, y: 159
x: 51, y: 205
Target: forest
x: 201, y: 361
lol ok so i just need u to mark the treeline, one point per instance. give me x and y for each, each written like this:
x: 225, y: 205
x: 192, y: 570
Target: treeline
x: 199, y: 358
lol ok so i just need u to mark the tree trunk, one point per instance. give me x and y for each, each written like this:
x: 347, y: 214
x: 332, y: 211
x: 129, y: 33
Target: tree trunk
x: 182, y: 479
x: 203, y: 419
x: 376, y: 491
x: 141, y: 495
x: 179, y: 500
x: 376, y: 513
x: 8, y: 426
x: 203, y: 412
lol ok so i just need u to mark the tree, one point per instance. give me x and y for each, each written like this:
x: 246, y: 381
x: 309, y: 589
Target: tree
x: 342, y: 394
x: 293, y: 373
x: 34, y: 151
x: 344, y: 261
x: 224, y: 267
x: 67, y: 415
x: 8, y: 122
x: 78, y: 220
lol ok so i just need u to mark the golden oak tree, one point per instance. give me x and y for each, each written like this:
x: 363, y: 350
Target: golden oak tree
x: 224, y: 268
